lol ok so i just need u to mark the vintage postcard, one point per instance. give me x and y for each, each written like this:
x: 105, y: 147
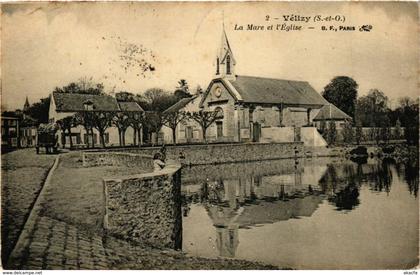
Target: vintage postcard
x: 209, y: 135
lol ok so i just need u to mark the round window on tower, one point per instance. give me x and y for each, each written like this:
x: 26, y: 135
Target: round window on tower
x: 218, y: 92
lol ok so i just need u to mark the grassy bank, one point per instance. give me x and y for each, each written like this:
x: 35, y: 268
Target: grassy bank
x: 23, y: 174
x: 75, y: 194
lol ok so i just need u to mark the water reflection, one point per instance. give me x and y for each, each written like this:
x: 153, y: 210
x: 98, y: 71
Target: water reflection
x: 243, y: 195
x: 410, y: 172
x: 250, y: 195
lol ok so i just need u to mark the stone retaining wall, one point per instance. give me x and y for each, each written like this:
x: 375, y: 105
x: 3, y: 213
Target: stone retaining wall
x: 145, y: 208
x: 240, y: 170
x: 98, y: 158
x: 226, y: 153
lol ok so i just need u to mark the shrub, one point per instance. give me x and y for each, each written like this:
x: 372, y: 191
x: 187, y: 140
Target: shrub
x: 397, y: 131
x: 388, y: 149
x: 359, y: 133
x: 385, y: 134
x: 331, y: 133
x: 348, y: 132
x: 359, y: 150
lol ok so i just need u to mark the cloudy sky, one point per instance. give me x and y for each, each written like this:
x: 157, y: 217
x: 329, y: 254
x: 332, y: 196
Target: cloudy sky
x: 49, y: 45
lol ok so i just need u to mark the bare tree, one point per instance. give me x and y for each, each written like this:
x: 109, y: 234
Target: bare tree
x: 171, y: 120
x: 137, y: 120
x: 205, y: 119
x: 85, y: 119
x: 66, y: 124
x: 98, y: 120
x: 102, y: 121
x: 154, y: 122
x: 122, y: 121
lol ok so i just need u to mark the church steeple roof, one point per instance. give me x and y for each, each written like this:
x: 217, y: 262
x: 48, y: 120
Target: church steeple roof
x: 225, y: 62
x: 225, y: 49
x: 26, y: 105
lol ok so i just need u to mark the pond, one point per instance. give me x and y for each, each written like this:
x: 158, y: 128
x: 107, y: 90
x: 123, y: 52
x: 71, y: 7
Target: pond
x: 324, y: 213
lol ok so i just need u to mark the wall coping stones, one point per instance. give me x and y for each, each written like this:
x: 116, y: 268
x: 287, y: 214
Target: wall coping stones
x: 181, y: 146
x: 167, y: 170
x: 113, y: 158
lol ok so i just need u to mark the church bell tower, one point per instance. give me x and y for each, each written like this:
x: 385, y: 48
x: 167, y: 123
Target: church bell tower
x: 225, y: 62
x: 26, y: 105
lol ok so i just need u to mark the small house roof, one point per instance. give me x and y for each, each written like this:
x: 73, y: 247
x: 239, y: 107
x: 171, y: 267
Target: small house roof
x: 130, y: 106
x: 68, y: 102
x: 276, y: 91
x: 331, y: 112
x: 180, y: 104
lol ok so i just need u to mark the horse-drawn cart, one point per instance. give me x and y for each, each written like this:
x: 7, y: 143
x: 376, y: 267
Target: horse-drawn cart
x: 46, y: 137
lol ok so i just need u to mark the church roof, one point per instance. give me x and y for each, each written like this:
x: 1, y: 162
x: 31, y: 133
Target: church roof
x: 331, y: 112
x: 130, y: 106
x: 180, y: 104
x: 275, y: 91
x: 66, y: 102
x: 271, y: 212
x: 264, y: 212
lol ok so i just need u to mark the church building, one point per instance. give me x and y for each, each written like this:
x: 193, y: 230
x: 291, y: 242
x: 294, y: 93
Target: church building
x: 260, y: 109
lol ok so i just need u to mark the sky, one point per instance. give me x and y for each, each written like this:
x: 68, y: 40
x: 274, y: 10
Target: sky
x: 49, y: 45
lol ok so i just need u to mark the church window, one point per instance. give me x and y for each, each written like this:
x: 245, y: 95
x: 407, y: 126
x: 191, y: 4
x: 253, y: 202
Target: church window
x: 217, y: 66
x: 228, y: 64
x: 219, y: 112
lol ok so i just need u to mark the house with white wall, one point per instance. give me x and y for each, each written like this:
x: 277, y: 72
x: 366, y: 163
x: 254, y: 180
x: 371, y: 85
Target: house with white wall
x: 64, y: 105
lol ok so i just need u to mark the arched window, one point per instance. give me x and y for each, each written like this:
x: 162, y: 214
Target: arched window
x: 219, y: 112
x: 228, y: 64
x: 217, y: 66
x: 219, y: 122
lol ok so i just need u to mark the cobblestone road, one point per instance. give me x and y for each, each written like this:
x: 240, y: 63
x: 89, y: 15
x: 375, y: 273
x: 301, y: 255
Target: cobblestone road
x: 54, y: 244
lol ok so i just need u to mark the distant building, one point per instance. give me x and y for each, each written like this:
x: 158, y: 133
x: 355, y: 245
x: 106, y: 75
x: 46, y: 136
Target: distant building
x: 187, y: 131
x: 66, y: 104
x: 331, y: 113
x: 28, y: 131
x: 9, y: 132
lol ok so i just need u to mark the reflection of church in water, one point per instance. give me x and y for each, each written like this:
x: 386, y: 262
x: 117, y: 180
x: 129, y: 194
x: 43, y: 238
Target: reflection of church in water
x: 240, y: 196
x: 251, y: 200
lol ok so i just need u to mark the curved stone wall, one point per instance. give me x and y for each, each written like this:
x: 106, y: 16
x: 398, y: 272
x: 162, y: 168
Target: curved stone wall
x: 145, y: 208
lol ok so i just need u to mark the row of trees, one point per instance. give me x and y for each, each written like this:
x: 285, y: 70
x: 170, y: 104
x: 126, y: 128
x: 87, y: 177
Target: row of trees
x: 101, y: 121
x: 154, y: 101
x: 373, y: 111
x: 350, y: 134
